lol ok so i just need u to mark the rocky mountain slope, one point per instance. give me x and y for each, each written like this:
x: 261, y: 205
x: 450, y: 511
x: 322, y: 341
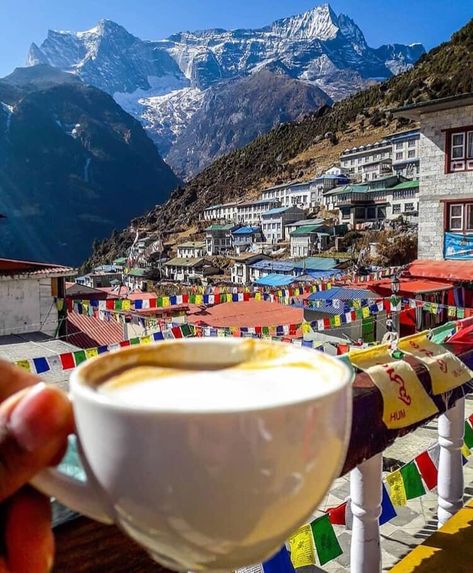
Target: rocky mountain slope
x: 73, y: 166
x: 162, y: 83
x: 235, y: 113
x: 301, y: 149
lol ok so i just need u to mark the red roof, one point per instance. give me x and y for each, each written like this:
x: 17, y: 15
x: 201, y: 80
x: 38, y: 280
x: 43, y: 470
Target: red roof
x: 16, y: 267
x: 251, y: 313
x: 408, y: 286
x: 88, y: 331
x: 443, y: 270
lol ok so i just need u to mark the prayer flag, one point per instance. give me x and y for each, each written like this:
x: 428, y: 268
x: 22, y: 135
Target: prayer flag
x: 124, y: 343
x: 25, y: 364
x: 126, y: 304
x: 135, y: 340
x: 468, y: 435
x: 397, y: 493
x: 337, y: 515
x: 465, y: 451
x: 387, y: 508
x: 427, y: 469
x: 325, y: 540
x: 41, y: 365
x: 301, y: 545
x: 158, y: 336
x: 176, y: 332
x: 102, y: 349
x: 434, y: 454
x: 67, y: 361
x: 79, y: 357
x: 412, y: 482
x: 279, y: 563
x: 146, y: 339
x: 91, y: 353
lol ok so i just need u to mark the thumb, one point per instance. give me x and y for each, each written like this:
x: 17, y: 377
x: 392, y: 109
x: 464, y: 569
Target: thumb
x: 34, y: 425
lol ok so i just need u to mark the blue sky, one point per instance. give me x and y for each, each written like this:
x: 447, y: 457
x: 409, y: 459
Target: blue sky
x: 382, y: 21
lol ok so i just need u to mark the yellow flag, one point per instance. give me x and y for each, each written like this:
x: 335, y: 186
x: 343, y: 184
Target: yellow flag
x: 302, y: 547
x: 126, y: 304
x: 466, y: 451
x: 167, y: 301
x: 146, y: 340
x: 306, y: 327
x: 198, y: 299
x: 446, y: 370
x: 405, y: 401
x: 25, y: 364
x: 59, y: 303
x: 337, y: 321
x: 91, y: 352
x: 365, y: 312
x: 257, y: 296
x: 397, y: 491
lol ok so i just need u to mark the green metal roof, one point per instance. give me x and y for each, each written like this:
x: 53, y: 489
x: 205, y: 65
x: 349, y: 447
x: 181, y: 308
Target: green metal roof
x: 305, y: 230
x: 138, y: 272
x: 191, y: 245
x: 120, y: 261
x: 414, y: 184
x: 348, y: 189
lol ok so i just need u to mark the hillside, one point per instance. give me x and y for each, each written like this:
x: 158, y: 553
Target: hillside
x: 73, y: 166
x: 299, y: 150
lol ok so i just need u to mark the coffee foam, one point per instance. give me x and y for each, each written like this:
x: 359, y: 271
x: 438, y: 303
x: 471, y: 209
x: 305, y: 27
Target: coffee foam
x: 267, y: 378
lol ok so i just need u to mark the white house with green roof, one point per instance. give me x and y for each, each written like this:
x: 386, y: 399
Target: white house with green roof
x: 309, y: 240
x: 189, y: 271
x: 191, y: 249
x: 219, y: 238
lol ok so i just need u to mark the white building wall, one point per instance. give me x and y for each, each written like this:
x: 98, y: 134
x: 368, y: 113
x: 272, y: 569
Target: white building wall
x: 435, y: 184
x: 27, y: 305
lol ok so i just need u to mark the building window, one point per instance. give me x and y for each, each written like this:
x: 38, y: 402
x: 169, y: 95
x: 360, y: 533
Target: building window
x: 411, y: 153
x: 371, y: 213
x: 412, y: 143
x: 399, y: 155
x: 399, y: 145
x: 381, y: 213
x: 409, y: 207
x: 359, y: 212
x: 396, y: 208
x: 459, y: 150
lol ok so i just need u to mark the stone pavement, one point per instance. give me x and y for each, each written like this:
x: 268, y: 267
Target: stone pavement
x: 414, y: 522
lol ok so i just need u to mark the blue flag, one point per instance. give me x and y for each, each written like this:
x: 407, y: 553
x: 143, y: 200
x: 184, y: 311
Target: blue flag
x: 279, y: 563
x: 387, y: 508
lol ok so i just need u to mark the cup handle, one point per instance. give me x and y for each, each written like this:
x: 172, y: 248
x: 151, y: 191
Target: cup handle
x: 84, y: 497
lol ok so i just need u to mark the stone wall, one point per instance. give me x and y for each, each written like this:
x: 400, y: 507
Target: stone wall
x: 435, y: 184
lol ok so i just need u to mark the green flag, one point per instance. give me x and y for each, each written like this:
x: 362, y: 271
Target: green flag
x: 460, y: 313
x: 265, y: 330
x: 118, y: 304
x: 468, y: 438
x: 186, y: 331
x: 79, y: 357
x: 412, y: 481
x: 160, y: 301
x: 326, y: 541
x: 192, y: 299
x: 135, y: 340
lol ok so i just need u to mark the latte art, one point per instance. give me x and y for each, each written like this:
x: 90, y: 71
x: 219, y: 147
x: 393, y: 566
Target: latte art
x: 262, y: 381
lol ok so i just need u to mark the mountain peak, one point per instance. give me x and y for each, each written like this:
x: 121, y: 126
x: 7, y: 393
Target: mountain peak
x: 319, y: 23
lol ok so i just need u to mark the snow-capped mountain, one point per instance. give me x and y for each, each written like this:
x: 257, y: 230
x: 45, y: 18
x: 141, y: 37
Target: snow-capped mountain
x: 162, y: 82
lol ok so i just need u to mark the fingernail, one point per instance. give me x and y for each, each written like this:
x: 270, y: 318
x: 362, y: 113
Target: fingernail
x: 39, y: 418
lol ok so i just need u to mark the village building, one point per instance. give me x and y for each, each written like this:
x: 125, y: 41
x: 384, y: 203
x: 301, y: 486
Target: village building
x: 188, y: 271
x: 136, y: 278
x: 309, y: 240
x: 225, y: 212
x: 32, y: 297
x: 375, y: 201
x: 446, y: 176
x: 250, y: 212
x: 244, y: 237
x: 405, y: 154
x: 291, y: 227
x: 219, y: 238
x: 275, y: 221
x: 191, y: 250
x: 101, y: 276
x: 240, y: 270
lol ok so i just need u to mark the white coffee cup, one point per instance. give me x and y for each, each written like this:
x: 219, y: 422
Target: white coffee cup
x: 205, y: 490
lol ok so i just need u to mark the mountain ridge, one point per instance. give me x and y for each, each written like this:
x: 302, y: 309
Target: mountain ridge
x: 162, y: 82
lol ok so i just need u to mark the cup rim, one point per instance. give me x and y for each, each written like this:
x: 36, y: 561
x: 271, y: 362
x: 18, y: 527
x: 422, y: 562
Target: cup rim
x: 79, y: 388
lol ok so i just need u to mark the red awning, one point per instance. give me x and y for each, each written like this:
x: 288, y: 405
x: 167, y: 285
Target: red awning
x: 443, y: 270
x: 410, y: 287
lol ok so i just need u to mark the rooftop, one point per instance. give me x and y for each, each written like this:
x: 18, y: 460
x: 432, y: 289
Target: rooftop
x: 182, y: 262
x: 191, y: 245
x: 222, y: 227
x: 221, y: 205
x: 306, y: 222
x: 87, y: 331
x: 276, y: 280
x: 414, y: 111
x: 316, y: 264
x: 251, y: 313
x: 277, y: 211
x: 258, y: 202
x: 306, y: 230
x: 247, y: 230
x: 343, y: 293
x: 136, y: 272
x: 455, y: 271
x: 273, y: 266
x: 414, y: 184
x: 13, y: 267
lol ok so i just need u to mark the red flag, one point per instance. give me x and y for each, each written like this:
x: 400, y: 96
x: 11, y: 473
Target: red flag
x: 258, y: 330
x: 177, y: 332
x: 67, y: 361
x: 216, y: 299
x: 427, y: 469
x: 185, y: 299
x: 110, y: 304
x: 153, y: 302
x: 337, y: 514
x: 326, y: 323
x: 292, y: 329
x: 124, y: 343
x: 353, y: 315
x: 471, y: 419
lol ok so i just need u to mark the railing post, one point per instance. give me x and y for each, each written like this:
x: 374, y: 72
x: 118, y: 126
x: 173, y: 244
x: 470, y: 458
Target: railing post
x: 366, y: 497
x: 451, y: 426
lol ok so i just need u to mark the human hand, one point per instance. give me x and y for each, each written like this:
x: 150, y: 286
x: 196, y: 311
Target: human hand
x: 35, y: 421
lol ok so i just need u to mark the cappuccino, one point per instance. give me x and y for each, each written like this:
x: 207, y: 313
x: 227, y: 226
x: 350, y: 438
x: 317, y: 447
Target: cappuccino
x: 260, y: 381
